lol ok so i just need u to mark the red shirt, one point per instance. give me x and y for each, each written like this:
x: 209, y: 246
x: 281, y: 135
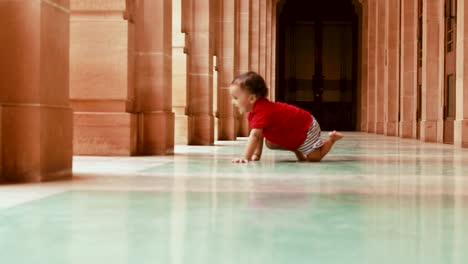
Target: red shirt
x: 283, y: 124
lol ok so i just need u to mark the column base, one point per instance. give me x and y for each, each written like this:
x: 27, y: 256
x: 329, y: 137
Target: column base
x: 408, y: 129
x: 105, y: 134
x: 380, y: 128
x: 461, y: 133
x: 391, y: 129
x: 227, y: 128
x: 36, y: 143
x: 371, y: 127
x: 1, y: 144
x: 156, y: 133
x: 363, y: 127
x: 431, y: 130
x: 201, y: 130
x: 448, y: 132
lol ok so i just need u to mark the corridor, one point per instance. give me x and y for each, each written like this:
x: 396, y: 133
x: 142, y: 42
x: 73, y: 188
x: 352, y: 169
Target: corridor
x: 373, y: 199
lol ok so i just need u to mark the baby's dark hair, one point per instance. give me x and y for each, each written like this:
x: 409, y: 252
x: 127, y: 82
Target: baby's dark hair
x: 253, y: 82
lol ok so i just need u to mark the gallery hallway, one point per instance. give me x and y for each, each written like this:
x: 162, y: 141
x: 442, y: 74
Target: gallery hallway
x: 373, y: 199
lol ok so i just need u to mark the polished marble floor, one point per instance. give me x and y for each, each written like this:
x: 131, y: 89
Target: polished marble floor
x: 373, y: 199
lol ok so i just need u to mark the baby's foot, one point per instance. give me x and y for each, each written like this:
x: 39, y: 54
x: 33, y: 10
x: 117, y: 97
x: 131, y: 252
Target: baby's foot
x: 335, y: 136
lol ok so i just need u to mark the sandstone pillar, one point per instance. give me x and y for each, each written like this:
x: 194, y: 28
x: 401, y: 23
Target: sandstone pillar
x: 152, y: 76
x: 255, y: 36
x: 461, y: 120
x: 244, y: 21
x: 262, y: 41
x: 274, y: 21
x: 227, y: 49
x: 409, y: 68
x: 35, y: 115
x: 432, y: 71
x: 364, y: 66
x: 372, y: 62
x: 268, y: 44
x: 200, y: 50
x: 381, y: 83
x: 393, y: 68
x: 105, y: 122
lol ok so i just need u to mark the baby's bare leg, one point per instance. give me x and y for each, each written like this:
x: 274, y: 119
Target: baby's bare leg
x: 300, y: 156
x: 319, y: 153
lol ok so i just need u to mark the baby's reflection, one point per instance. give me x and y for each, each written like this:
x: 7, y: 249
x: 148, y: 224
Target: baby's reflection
x: 279, y: 194
x: 278, y: 199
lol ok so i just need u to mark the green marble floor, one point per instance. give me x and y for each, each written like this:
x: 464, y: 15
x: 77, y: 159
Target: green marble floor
x: 374, y: 199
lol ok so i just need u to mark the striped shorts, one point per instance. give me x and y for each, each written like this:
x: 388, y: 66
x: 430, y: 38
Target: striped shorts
x: 313, y: 140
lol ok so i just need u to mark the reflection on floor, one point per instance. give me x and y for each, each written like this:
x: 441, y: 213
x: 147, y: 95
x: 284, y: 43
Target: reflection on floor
x: 373, y: 199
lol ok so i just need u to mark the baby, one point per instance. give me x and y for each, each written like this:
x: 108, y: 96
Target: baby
x: 282, y: 125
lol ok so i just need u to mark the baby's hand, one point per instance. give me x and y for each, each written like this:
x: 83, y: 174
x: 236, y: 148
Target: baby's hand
x: 255, y: 157
x: 240, y: 160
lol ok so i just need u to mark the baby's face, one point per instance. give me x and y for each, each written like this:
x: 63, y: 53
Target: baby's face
x: 241, y: 99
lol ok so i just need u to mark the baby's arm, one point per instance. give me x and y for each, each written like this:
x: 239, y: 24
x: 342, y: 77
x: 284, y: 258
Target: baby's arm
x: 255, y: 138
x: 258, y: 150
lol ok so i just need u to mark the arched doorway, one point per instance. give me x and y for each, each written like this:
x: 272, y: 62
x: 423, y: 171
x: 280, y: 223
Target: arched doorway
x: 317, y: 63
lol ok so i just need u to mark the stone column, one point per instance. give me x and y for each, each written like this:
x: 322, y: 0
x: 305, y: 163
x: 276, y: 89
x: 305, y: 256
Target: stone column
x: 104, y: 119
x: 179, y: 75
x: 153, y: 76
x: 227, y: 49
x: 433, y: 71
x: 268, y: 53
x: 381, y: 83
x: 372, y: 73
x: 274, y: 20
x: 243, y: 57
x: 1, y: 138
x: 263, y: 40
x: 409, y: 68
x: 200, y: 51
x: 36, y: 119
x: 255, y: 36
x: 364, y: 65
x: 393, y: 67
x: 461, y: 120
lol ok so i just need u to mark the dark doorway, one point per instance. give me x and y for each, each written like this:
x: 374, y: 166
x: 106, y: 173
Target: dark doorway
x: 317, y: 62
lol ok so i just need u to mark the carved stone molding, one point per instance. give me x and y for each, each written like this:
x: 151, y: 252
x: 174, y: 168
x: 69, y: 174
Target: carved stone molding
x: 129, y: 13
